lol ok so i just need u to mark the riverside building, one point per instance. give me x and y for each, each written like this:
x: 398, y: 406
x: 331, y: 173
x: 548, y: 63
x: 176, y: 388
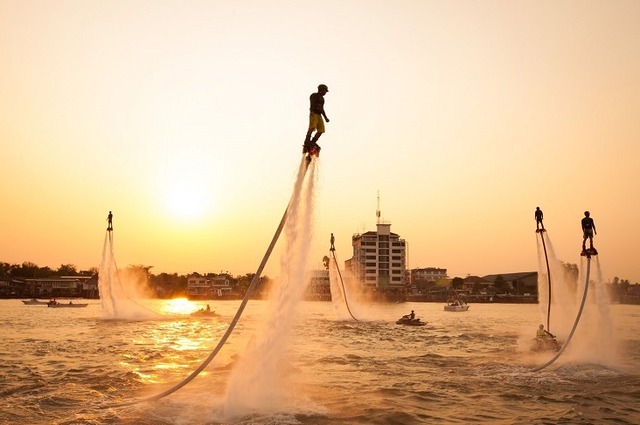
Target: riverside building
x: 379, y: 262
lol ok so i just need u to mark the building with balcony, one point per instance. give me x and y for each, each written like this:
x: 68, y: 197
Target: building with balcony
x: 64, y: 286
x: 428, y: 275
x: 379, y: 261
x: 423, y: 278
x: 209, y: 287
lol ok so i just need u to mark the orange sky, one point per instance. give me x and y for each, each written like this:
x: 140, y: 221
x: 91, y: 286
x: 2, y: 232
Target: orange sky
x: 186, y: 119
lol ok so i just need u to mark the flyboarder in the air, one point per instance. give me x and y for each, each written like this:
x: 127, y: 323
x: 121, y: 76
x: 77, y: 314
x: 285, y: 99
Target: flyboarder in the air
x: 588, y: 230
x: 538, y: 216
x: 316, y: 113
x: 110, y: 221
x: 332, y: 240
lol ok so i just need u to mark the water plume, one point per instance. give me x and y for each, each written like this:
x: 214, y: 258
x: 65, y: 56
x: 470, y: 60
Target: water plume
x: 120, y: 291
x: 594, y: 339
x: 347, y: 295
x: 257, y: 383
x: 339, y: 294
x: 563, y: 288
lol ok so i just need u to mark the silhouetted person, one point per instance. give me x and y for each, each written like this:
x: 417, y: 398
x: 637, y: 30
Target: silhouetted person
x: 110, y: 221
x: 333, y: 248
x: 588, y: 230
x: 543, y: 333
x: 412, y: 315
x: 316, y: 113
x: 538, y: 216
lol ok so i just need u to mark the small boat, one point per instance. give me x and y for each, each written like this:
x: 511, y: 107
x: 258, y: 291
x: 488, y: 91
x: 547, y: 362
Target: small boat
x: 408, y: 321
x: 34, y: 301
x: 456, y: 305
x: 56, y: 304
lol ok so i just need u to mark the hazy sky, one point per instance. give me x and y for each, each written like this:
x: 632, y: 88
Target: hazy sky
x: 186, y: 119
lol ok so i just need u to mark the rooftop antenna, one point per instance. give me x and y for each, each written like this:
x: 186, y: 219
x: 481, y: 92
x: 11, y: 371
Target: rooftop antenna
x: 378, y: 209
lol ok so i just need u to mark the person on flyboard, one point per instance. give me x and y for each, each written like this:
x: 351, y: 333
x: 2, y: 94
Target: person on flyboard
x: 110, y: 221
x: 588, y: 230
x: 316, y: 113
x: 538, y: 216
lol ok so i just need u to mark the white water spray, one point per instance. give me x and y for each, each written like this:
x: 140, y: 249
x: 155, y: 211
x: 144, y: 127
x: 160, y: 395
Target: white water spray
x: 338, y: 295
x: 119, y: 291
x: 564, y: 297
x: 347, y: 295
x: 257, y: 382
x: 594, y: 339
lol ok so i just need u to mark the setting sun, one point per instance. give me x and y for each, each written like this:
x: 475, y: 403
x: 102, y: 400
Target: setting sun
x: 186, y: 199
x: 180, y: 306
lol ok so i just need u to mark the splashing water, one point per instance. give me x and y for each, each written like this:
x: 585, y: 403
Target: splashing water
x: 119, y: 301
x: 594, y: 340
x: 257, y: 383
x: 338, y: 295
x: 347, y: 295
x: 564, y: 295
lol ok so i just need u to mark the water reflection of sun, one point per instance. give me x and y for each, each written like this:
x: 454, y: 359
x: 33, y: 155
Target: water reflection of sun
x: 180, y: 306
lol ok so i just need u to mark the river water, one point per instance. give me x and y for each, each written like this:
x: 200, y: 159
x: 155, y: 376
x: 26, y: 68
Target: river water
x: 73, y: 366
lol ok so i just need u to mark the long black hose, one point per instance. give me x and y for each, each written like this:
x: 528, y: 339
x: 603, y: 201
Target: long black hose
x: 546, y: 258
x: 344, y: 292
x: 301, y: 172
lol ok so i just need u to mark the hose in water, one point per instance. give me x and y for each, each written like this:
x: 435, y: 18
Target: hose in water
x: 302, y: 170
x: 546, y: 258
x: 344, y: 292
x: 575, y: 324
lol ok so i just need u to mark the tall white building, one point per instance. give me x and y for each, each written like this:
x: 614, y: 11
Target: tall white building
x: 379, y: 259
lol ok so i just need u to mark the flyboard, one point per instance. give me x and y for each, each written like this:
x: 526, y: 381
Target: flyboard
x: 311, y: 150
x: 304, y: 165
x: 585, y: 253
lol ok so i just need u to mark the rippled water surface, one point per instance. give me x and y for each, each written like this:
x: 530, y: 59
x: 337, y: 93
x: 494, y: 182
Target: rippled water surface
x: 72, y: 366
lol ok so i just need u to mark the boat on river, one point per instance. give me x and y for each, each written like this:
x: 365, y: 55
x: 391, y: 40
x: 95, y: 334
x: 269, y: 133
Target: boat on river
x: 456, y: 305
x: 56, y: 304
x: 34, y: 301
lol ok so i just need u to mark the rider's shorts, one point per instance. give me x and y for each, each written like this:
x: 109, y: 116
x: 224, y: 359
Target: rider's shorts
x: 316, y: 122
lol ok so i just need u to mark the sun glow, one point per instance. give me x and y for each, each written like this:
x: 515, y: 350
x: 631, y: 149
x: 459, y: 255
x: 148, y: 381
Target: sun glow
x: 180, y: 306
x: 186, y: 200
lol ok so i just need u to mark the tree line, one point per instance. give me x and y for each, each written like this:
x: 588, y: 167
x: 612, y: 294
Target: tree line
x: 29, y: 270
x: 162, y: 285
